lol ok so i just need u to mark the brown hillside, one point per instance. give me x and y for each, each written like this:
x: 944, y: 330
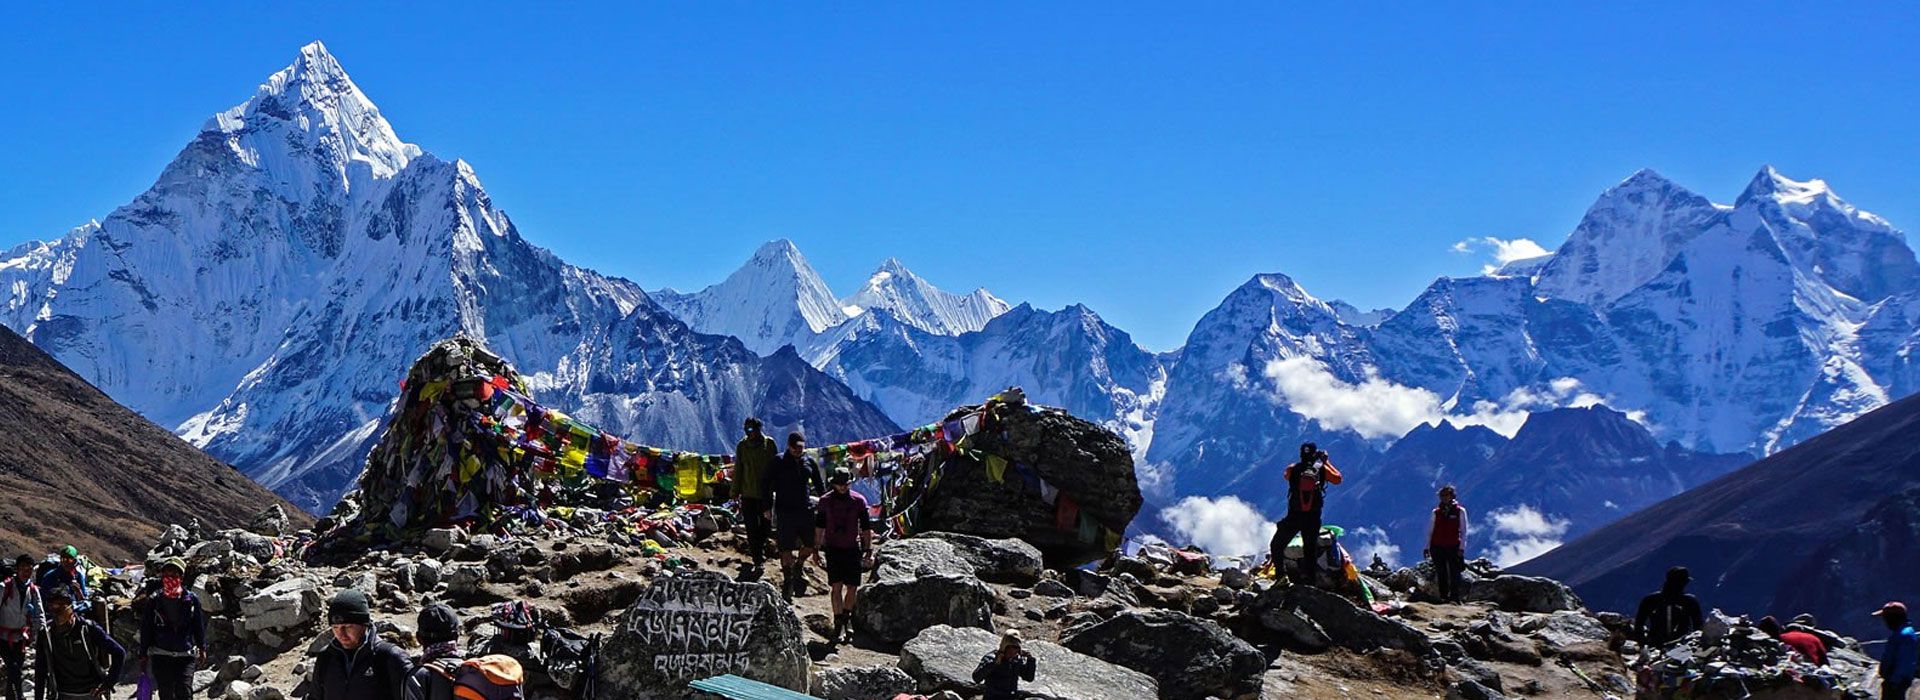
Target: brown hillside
x: 77, y: 468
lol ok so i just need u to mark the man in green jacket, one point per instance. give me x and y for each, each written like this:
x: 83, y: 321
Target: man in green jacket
x: 751, y: 458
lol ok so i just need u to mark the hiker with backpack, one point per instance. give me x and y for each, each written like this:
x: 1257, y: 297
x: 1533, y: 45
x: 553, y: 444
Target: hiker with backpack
x: 1899, y: 659
x: 439, y: 635
x: 356, y: 664
x: 516, y: 629
x: 1307, y: 482
x: 77, y: 659
x: 752, y: 458
x: 173, y: 633
x: 68, y: 575
x: 846, y: 536
x: 1447, y: 544
x: 999, y: 673
x: 21, y: 618
x: 793, y: 481
x: 1670, y: 613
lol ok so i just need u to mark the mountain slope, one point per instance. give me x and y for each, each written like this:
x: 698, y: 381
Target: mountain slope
x: 1068, y: 358
x: 263, y: 297
x: 1825, y: 527
x: 81, y: 469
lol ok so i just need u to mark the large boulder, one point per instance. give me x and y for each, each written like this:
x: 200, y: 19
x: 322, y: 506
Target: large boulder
x: 918, y: 556
x: 998, y: 561
x: 288, y: 605
x: 1515, y: 593
x: 896, y: 610
x: 943, y: 658
x: 1191, y: 658
x: 862, y: 683
x: 702, y: 624
x: 1075, y: 459
x: 1345, y: 624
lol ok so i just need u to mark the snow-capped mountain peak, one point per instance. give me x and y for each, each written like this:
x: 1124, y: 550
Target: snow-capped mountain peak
x: 1770, y: 184
x: 315, y: 99
x: 918, y: 303
x: 775, y: 299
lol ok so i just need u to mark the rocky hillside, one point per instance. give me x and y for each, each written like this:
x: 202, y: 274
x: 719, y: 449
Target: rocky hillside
x: 1827, y: 527
x: 78, y: 468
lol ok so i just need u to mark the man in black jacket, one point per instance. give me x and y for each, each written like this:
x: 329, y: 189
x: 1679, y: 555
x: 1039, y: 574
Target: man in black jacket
x: 1000, y: 672
x: 792, y: 482
x: 356, y: 665
x: 1666, y: 616
x: 439, y: 635
x: 70, y: 665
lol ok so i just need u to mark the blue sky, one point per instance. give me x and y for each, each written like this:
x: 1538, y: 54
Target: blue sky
x: 1144, y: 161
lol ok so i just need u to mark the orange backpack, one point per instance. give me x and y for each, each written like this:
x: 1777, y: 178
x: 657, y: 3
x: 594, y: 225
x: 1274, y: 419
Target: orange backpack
x: 491, y: 677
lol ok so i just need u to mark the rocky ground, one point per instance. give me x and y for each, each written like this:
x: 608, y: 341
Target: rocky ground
x: 1136, y: 627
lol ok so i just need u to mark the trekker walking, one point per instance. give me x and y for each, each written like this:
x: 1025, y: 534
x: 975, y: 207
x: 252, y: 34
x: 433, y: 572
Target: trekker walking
x: 1447, y: 544
x: 439, y: 635
x: 21, y: 619
x: 846, y: 535
x: 355, y: 665
x: 1669, y: 614
x: 1307, y: 482
x: 1000, y: 672
x: 752, y: 458
x: 71, y: 664
x: 1898, y: 660
x: 792, y: 482
x: 1808, y: 646
x: 173, y: 634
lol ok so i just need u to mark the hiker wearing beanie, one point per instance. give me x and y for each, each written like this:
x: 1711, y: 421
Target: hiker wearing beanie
x: 173, y: 634
x: 999, y: 673
x: 355, y: 664
x: 1670, y: 613
x: 77, y: 660
x: 1808, y: 646
x: 1307, y: 482
x: 792, y: 482
x: 1447, y: 544
x: 439, y: 636
x: 845, y: 533
x: 1902, y: 654
x: 21, y: 619
x: 752, y: 459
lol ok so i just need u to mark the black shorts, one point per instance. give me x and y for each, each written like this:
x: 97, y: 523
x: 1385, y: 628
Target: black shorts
x: 793, y: 531
x: 843, y: 566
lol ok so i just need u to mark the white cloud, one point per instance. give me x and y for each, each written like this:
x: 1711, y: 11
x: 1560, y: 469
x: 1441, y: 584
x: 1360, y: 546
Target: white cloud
x: 1224, y: 527
x: 1373, y: 408
x: 1502, y: 250
x: 1377, y: 408
x: 1521, y: 533
x: 1365, y: 542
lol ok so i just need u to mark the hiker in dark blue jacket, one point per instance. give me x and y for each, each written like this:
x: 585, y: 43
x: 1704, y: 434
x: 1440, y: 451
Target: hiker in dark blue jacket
x: 793, y: 481
x: 1899, y: 660
x: 71, y: 664
x: 999, y: 673
x: 173, y: 633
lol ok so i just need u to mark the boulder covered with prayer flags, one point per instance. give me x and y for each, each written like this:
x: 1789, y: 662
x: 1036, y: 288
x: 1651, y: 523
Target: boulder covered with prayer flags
x: 1002, y: 469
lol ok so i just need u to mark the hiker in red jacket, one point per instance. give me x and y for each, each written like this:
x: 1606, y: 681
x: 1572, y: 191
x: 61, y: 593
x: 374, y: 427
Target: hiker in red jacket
x: 1447, y: 544
x: 1307, y: 482
x: 1809, y: 647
